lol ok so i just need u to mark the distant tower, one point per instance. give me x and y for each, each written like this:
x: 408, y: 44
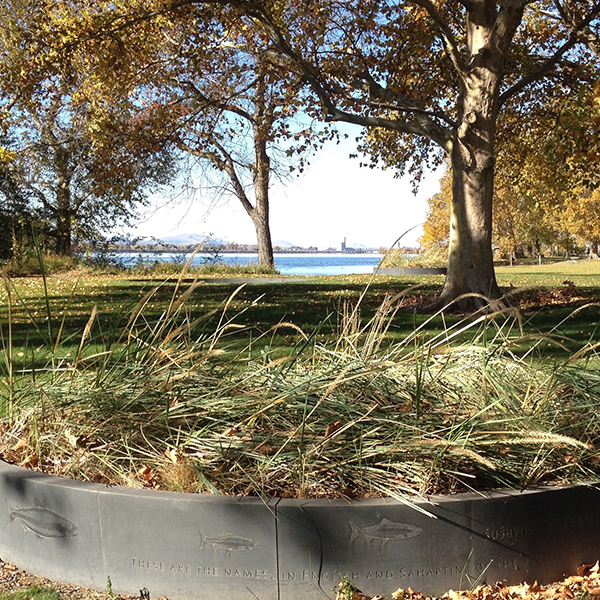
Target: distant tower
x: 344, y: 245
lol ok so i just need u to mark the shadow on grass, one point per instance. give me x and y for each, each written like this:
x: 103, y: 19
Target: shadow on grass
x: 311, y: 304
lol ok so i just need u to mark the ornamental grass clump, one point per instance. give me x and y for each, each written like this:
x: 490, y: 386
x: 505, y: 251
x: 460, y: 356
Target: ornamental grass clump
x: 173, y: 403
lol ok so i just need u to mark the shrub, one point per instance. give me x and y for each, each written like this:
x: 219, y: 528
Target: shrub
x: 432, y: 257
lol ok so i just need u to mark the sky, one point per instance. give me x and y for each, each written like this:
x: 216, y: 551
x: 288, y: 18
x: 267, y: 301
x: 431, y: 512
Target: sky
x: 334, y: 199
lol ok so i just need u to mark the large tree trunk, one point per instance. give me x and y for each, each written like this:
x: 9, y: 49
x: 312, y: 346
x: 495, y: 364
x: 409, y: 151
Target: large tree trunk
x: 594, y: 250
x: 64, y: 211
x: 260, y: 212
x: 470, y: 257
x: 470, y: 260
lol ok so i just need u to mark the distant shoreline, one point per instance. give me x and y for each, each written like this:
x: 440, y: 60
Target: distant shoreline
x: 189, y: 250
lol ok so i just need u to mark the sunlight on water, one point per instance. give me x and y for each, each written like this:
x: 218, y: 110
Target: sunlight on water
x: 286, y: 264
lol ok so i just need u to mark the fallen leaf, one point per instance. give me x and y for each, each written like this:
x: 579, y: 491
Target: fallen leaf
x: 332, y: 428
x: 404, y: 407
x: 171, y: 454
x: 146, y: 473
x: 584, y: 570
x: 72, y: 439
x: 20, y: 445
x: 30, y: 460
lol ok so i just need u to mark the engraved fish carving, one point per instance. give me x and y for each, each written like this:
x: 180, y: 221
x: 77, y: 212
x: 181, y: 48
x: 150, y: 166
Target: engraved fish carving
x: 45, y: 523
x: 384, y: 531
x: 228, y: 542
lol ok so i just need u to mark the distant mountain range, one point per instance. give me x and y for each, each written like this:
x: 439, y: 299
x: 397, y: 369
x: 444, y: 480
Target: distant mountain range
x: 185, y: 239
x: 195, y: 239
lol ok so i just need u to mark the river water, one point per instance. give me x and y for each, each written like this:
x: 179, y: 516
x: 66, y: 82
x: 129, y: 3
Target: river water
x: 286, y: 264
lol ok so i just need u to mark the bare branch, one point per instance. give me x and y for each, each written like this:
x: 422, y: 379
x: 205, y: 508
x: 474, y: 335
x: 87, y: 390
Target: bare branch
x: 224, y: 162
x: 563, y: 11
x: 210, y: 102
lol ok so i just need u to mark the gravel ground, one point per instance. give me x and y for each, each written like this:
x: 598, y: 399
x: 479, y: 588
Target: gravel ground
x: 585, y: 585
x: 12, y: 579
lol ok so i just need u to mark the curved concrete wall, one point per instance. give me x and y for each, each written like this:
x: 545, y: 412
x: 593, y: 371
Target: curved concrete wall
x: 189, y: 546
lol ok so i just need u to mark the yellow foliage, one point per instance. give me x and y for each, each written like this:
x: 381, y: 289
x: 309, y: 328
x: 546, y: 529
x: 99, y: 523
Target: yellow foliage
x: 7, y: 155
x: 436, y: 229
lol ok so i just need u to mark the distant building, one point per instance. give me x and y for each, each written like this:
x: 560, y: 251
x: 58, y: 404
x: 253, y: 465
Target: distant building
x: 344, y: 245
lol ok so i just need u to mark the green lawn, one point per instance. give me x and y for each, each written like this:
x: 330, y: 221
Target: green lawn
x: 311, y: 304
x: 32, y: 593
x: 345, y: 392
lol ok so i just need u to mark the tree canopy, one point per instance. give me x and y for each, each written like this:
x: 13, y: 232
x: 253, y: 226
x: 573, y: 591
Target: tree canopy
x: 76, y: 160
x: 425, y: 79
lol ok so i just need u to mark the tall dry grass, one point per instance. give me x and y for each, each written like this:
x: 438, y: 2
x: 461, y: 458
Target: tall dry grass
x: 173, y: 404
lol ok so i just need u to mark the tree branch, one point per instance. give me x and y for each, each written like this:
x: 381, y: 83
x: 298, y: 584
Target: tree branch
x: 226, y: 164
x: 551, y: 62
x: 423, y: 126
x: 397, y: 102
x: 507, y: 22
x: 217, y: 103
x: 447, y: 35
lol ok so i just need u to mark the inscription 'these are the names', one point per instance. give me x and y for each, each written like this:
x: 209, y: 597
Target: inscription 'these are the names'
x: 305, y: 575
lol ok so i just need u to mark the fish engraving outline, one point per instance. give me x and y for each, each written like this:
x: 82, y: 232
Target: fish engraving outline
x: 228, y: 542
x: 42, y: 522
x: 385, y: 531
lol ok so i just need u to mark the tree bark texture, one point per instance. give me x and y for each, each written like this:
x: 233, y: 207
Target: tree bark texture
x: 64, y: 212
x: 470, y: 261
x: 260, y: 212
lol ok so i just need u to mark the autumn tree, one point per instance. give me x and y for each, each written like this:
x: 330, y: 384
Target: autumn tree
x: 232, y: 133
x: 75, y: 186
x: 526, y: 218
x: 581, y: 217
x: 230, y: 109
x: 429, y: 79
x: 81, y: 170
x: 436, y: 229
x: 426, y: 80
x: 201, y: 80
x: 16, y: 219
